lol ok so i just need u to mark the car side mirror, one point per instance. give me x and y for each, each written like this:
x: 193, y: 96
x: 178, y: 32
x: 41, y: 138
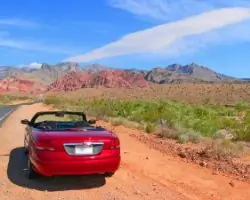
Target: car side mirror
x: 25, y: 122
x: 92, y: 121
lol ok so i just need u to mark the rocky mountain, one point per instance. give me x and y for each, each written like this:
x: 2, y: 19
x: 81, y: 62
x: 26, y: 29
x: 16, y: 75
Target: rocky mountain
x: 28, y: 79
x: 94, y: 68
x: 185, y: 73
x: 6, y: 71
x: 48, y: 73
x: 246, y: 79
x: 53, y: 75
x: 105, y: 78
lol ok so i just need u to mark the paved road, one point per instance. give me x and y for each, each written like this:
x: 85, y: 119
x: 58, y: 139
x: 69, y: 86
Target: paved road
x: 5, y: 110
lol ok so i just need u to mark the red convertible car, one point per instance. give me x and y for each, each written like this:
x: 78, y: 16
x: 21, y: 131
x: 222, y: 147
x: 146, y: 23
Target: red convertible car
x: 65, y: 143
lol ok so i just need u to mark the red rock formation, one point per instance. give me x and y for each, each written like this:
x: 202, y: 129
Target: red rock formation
x: 71, y: 81
x: 105, y: 78
x: 17, y: 85
x: 117, y: 79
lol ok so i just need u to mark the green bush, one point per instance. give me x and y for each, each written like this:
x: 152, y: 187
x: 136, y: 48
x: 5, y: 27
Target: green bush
x: 149, y: 127
x: 195, y: 121
x: 241, y: 106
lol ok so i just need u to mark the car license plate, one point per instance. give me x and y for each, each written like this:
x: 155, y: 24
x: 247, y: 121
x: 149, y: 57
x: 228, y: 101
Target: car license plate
x: 83, y: 150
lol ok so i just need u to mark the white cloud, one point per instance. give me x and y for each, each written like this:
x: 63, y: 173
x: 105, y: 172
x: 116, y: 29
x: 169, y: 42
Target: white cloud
x: 165, y: 10
x: 153, y: 8
x: 163, y: 37
x: 18, y: 22
x: 35, y: 65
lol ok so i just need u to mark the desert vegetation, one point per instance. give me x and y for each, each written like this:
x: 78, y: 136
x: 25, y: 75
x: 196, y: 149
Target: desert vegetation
x: 191, y: 93
x: 166, y: 118
x: 4, y: 99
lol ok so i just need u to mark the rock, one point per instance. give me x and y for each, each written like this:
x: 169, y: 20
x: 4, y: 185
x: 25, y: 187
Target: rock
x: 231, y: 183
x: 182, y: 154
x: 215, y: 172
x: 222, y: 133
x: 137, y: 192
x: 203, y: 164
x: 19, y: 85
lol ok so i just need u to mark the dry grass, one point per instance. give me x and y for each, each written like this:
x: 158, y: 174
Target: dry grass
x: 189, y: 93
x: 222, y: 148
x: 7, y: 99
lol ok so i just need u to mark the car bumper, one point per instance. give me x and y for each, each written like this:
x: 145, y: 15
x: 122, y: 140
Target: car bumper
x: 84, y: 167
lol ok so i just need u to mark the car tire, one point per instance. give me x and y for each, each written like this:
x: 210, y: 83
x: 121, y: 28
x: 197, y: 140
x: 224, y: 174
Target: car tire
x: 30, y: 171
x: 25, y: 148
x: 109, y: 174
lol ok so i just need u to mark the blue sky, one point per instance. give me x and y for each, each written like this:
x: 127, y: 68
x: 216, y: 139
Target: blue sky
x: 128, y: 33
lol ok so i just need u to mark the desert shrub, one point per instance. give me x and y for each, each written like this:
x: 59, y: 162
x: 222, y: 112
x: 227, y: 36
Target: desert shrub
x: 131, y: 124
x: 201, y: 120
x: 183, y: 138
x: 164, y: 131
x: 222, y: 148
x: 194, y: 137
x: 242, y: 131
x: 116, y: 121
x: 53, y: 100
x: 241, y: 106
x: 149, y: 127
x: 8, y: 98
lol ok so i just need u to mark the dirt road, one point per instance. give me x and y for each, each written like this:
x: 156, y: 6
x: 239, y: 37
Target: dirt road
x: 144, y: 174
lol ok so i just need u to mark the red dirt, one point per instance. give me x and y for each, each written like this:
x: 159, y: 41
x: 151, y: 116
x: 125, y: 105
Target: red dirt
x: 105, y: 78
x: 203, y: 155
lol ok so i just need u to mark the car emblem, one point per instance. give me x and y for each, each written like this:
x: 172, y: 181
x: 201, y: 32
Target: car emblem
x: 87, y: 143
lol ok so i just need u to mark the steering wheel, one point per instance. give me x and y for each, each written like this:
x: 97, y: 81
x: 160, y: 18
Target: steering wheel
x: 43, y: 125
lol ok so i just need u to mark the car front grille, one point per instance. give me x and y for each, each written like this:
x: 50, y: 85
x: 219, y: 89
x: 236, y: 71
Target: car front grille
x: 71, y: 148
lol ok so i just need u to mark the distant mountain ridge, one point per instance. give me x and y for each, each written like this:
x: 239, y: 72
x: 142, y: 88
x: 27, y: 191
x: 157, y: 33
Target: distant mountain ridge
x: 246, y: 79
x: 174, y: 73
x: 185, y: 73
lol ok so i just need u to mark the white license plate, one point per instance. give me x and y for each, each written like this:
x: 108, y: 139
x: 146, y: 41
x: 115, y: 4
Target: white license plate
x: 83, y: 150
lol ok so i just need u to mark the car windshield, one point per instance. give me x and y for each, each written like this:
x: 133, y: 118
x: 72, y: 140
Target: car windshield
x: 60, y: 122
